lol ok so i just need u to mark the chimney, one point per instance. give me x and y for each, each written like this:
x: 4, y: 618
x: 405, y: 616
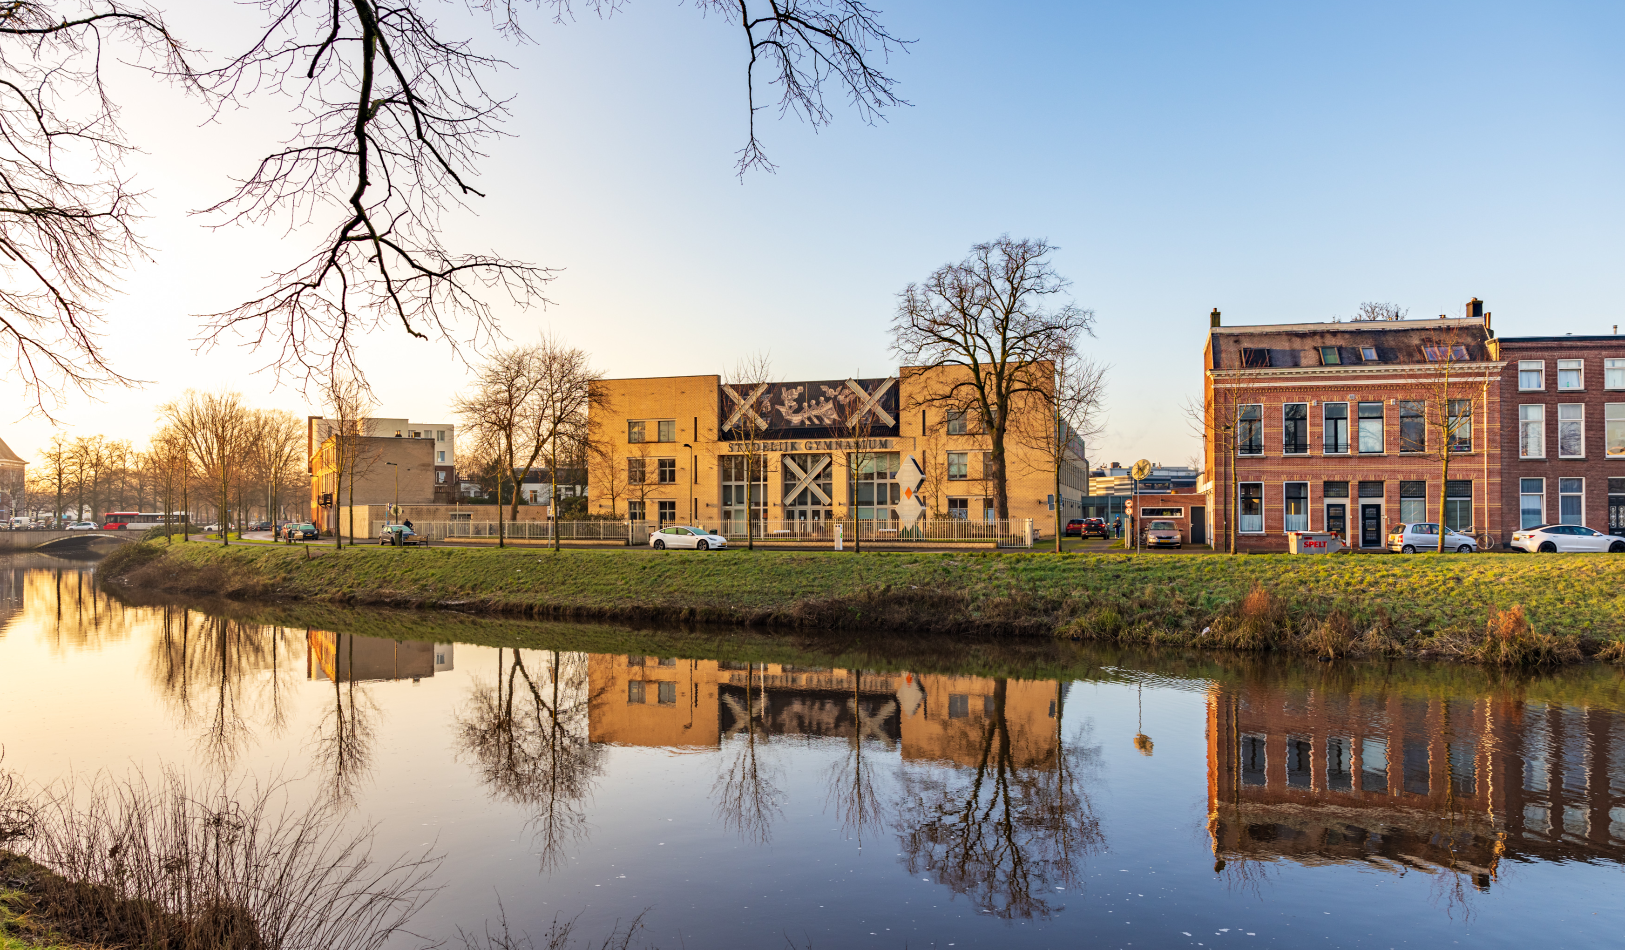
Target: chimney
x: 1213, y: 318
x: 1475, y: 309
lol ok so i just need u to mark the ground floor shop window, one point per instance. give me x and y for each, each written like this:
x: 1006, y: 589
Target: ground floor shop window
x: 1251, y: 505
x: 1413, y: 502
x: 1571, y: 498
x: 1458, y: 504
x: 1531, y: 502
x: 1296, y: 507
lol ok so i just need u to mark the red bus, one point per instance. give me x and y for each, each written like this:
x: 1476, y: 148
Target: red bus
x: 136, y: 520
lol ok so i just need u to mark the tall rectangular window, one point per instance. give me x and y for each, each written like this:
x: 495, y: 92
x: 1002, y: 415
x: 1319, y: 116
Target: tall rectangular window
x: 634, y: 691
x: 1295, y: 428
x: 1614, y: 429
x: 1571, y: 501
x: 1371, y: 442
x: 1300, y: 762
x: 668, y: 511
x: 1571, y: 375
x: 1295, y: 507
x: 956, y: 422
x: 1531, y: 502
x: 1616, y: 525
x: 666, y: 470
x: 1339, y: 764
x: 1254, y: 760
x: 636, y: 470
x: 1374, y: 765
x: 1613, y: 374
x: 1531, y: 375
x: 1413, y: 502
x: 958, y: 466
x: 1250, y: 496
x: 440, y: 435
x: 1571, y: 430
x: 666, y: 430
x: 634, y: 431
x: 1335, y: 427
x: 1250, y: 430
x: 634, y: 511
x: 1413, y: 430
x: 1458, y: 504
x: 1461, y: 425
x: 1532, y: 432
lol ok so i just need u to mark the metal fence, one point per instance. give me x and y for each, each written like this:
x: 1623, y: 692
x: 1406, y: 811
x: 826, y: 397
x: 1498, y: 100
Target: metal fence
x: 1010, y: 533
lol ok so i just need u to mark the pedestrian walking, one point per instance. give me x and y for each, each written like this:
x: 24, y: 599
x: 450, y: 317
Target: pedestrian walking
x: 1117, y: 528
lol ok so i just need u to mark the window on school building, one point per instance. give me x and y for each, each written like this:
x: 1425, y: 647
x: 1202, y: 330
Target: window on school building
x: 959, y: 508
x: 1413, y: 502
x: 1371, y: 441
x: 742, y: 492
x: 1335, y: 427
x: 1571, y: 501
x: 1531, y: 502
x: 666, y: 430
x: 1413, y: 431
x: 1250, y: 430
x: 956, y: 422
x: 668, y: 511
x: 1461, y: 425
x: 666, y: 694
x: 1531, y: 375
x: 1295, y: 428
x: 636, y: 470
x: 634, y: 432
x: 1295, y: 507
x: 1571, y: 430
x: 1570, y: 375
x: 1458, y: 504
x: 634, y: 691
x: 876, y: 484
x: 667, y: 471
x: 1251, y: 505
x: 1614, y: 429
x: 958, y: 466
x: 1532, y: 432
x: 634, y: 511
x: 1613, y: 374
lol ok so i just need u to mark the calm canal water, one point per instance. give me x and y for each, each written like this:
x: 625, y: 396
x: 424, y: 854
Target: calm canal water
x: 1071, y: 798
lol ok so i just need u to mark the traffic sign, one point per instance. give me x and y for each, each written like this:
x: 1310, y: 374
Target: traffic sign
x: 1128, y: 506
x: 1141, y: 470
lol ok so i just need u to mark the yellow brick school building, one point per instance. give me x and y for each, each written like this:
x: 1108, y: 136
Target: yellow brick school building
x: 800, y: 456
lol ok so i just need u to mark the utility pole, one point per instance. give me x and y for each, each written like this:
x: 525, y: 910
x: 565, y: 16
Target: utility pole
x: 395, y: 509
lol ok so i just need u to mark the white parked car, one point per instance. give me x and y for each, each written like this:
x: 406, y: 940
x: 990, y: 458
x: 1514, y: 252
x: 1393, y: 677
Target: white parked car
x: 1565, y: 539
x: 83, y: 526
x: 1411, y: 538
x: 683, y: 536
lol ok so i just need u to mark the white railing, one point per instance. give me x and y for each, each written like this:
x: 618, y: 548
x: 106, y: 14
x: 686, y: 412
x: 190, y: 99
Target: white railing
x: 1010, y: 533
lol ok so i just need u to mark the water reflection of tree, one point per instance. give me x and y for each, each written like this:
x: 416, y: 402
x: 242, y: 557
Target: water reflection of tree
x: 748, y: 799
x: 348, y: 730
x: 527, y: 733
x: 851, y: 779
x: 220, y: 676
x: 1003, y: 832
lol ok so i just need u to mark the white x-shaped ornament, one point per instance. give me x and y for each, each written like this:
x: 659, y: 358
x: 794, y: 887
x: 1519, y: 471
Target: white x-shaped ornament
x: 745, y: 406
x: 870, y: 401
x: 806, y: 479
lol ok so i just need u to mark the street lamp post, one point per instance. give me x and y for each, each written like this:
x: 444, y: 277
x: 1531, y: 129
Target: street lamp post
x: 397, y: 506
x: 691, y: 478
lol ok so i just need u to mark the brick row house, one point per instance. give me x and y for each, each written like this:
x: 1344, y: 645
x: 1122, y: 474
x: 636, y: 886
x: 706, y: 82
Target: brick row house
x: 1563, y: 439
x: 1350, y: 428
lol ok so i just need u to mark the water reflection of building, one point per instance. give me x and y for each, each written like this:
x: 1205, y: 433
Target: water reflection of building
x: 1457, y: 782
x: 663, y: 701
x: 11, y: 593
x: 350, y: 658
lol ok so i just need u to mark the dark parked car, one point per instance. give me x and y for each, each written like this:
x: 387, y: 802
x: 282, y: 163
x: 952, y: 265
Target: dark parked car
x: 260, y: 526
x: 1073, y: 529
x: 1096, y: 528
x: 299, y: 532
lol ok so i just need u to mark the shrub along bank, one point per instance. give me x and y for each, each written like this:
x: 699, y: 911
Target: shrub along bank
x: 1502, y: 609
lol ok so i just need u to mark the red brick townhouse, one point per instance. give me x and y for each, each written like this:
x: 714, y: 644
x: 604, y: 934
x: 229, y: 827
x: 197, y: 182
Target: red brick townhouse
x: 1346, y: 427
x: 1563, y: 438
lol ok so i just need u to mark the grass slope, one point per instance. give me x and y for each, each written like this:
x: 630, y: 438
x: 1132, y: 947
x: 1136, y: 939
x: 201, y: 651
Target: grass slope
x: 1417, y: 605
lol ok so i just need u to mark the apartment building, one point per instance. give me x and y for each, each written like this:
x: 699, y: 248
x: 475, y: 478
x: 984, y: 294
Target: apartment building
x: 1563, y: 441
x: 1351, y: 427
x: 443, y: 455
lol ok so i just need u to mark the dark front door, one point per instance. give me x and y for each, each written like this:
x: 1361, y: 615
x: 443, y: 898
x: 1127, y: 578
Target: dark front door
x: 1337, y: 520
x: 1370, y: 526
x: 1198, y: 525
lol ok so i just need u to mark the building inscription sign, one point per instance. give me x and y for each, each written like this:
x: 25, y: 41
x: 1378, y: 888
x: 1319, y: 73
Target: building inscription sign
x: 810, y: 445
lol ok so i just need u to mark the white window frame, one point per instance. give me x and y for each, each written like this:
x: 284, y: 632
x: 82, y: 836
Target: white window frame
x: 1262, y: 520
x: 1239, y: 410
x: 1348, y: 428
x: 1382, y: 427
x: 1582, y: 424
x: 1541, y: 422
x: 1571, y: 366
x: 1305, y: 420
x: 1613, y: 420
x: 1308, y: 518
x: 1523, y: 494
x: 1613, y: 374
x: 1581, y: 494
x: 1532, y: 366
x: 964, y: 467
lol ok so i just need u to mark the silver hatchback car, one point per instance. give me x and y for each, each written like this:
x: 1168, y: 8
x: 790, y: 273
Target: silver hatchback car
x: 1411, y: 538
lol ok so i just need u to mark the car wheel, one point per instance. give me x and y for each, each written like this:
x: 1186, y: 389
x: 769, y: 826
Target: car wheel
x: 1548, y: 547
x: 1618, y: 547
x: 660, y: 545
x: 701, y: 546
x: 1465, y: 549
x: 1408, y: 549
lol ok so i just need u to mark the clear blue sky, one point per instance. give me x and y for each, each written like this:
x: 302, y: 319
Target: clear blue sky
x: 1282, y: 162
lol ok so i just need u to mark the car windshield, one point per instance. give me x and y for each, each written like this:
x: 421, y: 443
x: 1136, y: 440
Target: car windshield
x: 1162, y: 526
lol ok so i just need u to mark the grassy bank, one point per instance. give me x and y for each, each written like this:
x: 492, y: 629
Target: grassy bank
x: 1495, y: 608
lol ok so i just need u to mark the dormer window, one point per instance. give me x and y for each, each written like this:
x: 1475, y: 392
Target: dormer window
x: 1330, y: 357
x: 1368, y: 354
x: 1251, y: 357
x: 1453, y: 353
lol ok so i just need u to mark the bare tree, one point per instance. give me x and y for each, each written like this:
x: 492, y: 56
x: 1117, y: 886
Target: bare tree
x: 558, y: 410
x: 343, y: 446
x: 213, y: 425
x: 747, y: 410
x: 499, y: 413
x: 1058, y: 421
x: 275, y: 454
x: 997, y: 317
x: 1372, y: 311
